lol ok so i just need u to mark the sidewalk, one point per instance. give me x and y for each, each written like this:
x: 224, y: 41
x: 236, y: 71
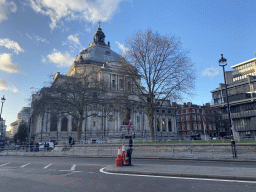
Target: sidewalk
x: 232, y: 173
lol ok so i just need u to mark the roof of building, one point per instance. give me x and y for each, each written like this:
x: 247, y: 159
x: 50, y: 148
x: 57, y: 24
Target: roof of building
x: 98, y: 51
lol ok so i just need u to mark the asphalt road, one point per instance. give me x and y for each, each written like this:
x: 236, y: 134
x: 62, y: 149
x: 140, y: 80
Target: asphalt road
x: 46, y: 174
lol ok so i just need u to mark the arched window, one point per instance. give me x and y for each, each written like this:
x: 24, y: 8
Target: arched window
x: 163, y: 125
x: 64, y: 124
x: 157, y: 125
x: 74, y: 124
x: 169, y: 126
x: 195, y: 126
x: 54, y: 121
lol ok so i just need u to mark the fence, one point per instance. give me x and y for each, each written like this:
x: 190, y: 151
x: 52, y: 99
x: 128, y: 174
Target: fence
x: 194, y: 151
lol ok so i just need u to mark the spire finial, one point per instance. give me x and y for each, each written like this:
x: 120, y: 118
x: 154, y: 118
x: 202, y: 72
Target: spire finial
x: 99, y: 24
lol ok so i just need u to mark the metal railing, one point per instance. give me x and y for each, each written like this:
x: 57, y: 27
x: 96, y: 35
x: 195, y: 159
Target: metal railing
x: 196, y: 151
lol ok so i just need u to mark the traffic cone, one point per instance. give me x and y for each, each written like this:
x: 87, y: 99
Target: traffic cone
x: 123, y: 148
x: 119, y: 159
x: 126, y: 159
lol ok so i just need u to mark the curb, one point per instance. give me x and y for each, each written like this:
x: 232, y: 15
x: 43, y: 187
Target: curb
x: 183, y: 175
x: 144, y: 158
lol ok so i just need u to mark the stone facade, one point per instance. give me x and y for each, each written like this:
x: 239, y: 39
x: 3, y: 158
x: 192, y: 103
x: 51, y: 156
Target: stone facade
x: 113, y: 127
x: 23, y: 115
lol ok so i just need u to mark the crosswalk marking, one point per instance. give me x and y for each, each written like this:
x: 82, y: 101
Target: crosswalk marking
x: 47, y: 166
x: 25, y: 165
x: 73, y: 167
x: 4, y: 164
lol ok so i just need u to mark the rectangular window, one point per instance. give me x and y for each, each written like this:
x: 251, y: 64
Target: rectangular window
x: 188, y: 126
x: 121, y: 83
x: 113, y: 83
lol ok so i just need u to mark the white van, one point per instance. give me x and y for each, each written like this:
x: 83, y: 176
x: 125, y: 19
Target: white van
x: 42, y: 146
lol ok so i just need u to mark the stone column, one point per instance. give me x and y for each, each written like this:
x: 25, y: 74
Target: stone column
x: 69, y: 123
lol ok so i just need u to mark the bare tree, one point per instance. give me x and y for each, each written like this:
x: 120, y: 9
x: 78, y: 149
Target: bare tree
x: 73, y: 96
x: 159, y: 69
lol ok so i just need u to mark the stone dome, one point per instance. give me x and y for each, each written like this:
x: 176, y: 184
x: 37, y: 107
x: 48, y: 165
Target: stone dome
x: 98, y: 51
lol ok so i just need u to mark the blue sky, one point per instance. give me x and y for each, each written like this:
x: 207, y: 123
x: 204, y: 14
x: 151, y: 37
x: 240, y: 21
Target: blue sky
x: 41, y: 37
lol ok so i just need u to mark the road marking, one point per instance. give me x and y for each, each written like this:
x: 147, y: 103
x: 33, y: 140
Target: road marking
x: 71, y: 171
x: 170, y: 177
x: 47, y: 166
x: 25, y: 165
x: 4, y: 164
x: 73, y: 167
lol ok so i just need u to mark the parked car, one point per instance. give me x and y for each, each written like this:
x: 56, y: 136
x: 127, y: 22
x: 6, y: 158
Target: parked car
x: 17, y: 146
x: 2, y: 144
x: 46, y: 146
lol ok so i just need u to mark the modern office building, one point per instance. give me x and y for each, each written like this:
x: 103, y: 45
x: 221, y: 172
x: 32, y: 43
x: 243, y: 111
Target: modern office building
x: 241, y: 86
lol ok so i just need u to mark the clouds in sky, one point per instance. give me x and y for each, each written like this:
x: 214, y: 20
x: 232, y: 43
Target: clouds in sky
x: 5, y: 7
x: 61, y: 59
x: 9, y: 44
x: 4, y: 86
x: 7, y: 65
x: 211, y: 72
x: 122, y: 47
x: 87, y: 10
x: 74, y: 39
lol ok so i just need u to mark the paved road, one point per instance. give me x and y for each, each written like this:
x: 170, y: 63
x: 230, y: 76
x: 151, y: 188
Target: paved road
x: 19, y: 173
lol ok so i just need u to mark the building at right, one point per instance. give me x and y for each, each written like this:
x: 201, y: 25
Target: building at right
x: 241, y: 88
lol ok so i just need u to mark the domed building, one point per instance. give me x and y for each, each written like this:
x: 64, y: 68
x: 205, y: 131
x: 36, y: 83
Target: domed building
x: 105, y: 127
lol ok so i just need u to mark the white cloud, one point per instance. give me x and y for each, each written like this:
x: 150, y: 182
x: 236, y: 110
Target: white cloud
x: 87, y: 10
x: 37, y: 38
x: 43, y: 60
x: 9, y: 44
x: 122, y: 48
x: 211, y: 72
x: 74, y: 39
x: 41, y: 39
x: 4, y: 86
x: 5, y: 8
x: 62, y: 60
x: 14, y: 89
x: 7, y: 65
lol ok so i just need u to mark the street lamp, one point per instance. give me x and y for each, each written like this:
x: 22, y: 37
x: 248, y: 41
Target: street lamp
x: 223, y: 63
x: 1, y: 131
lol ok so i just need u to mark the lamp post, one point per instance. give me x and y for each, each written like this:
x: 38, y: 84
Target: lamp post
x: 2, y: 100
x: 223, y: 63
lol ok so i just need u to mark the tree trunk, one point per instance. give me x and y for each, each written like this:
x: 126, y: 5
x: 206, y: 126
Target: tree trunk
x: 79, y: 129
x: 151, y: 125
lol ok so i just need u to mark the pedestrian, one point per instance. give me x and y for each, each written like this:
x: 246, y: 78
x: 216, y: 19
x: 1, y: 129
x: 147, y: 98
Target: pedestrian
x: 129, y: 151
x: 130, y: 141
x: 69, y: 140
x: 233, y: 146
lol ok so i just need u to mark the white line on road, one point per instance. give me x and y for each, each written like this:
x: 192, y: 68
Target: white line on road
x: 4, y: 164
x: 71, y: 170
x: 73, y: 167
x: 25, y: 165
x: 47, y: 166
x: 170, y: 177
